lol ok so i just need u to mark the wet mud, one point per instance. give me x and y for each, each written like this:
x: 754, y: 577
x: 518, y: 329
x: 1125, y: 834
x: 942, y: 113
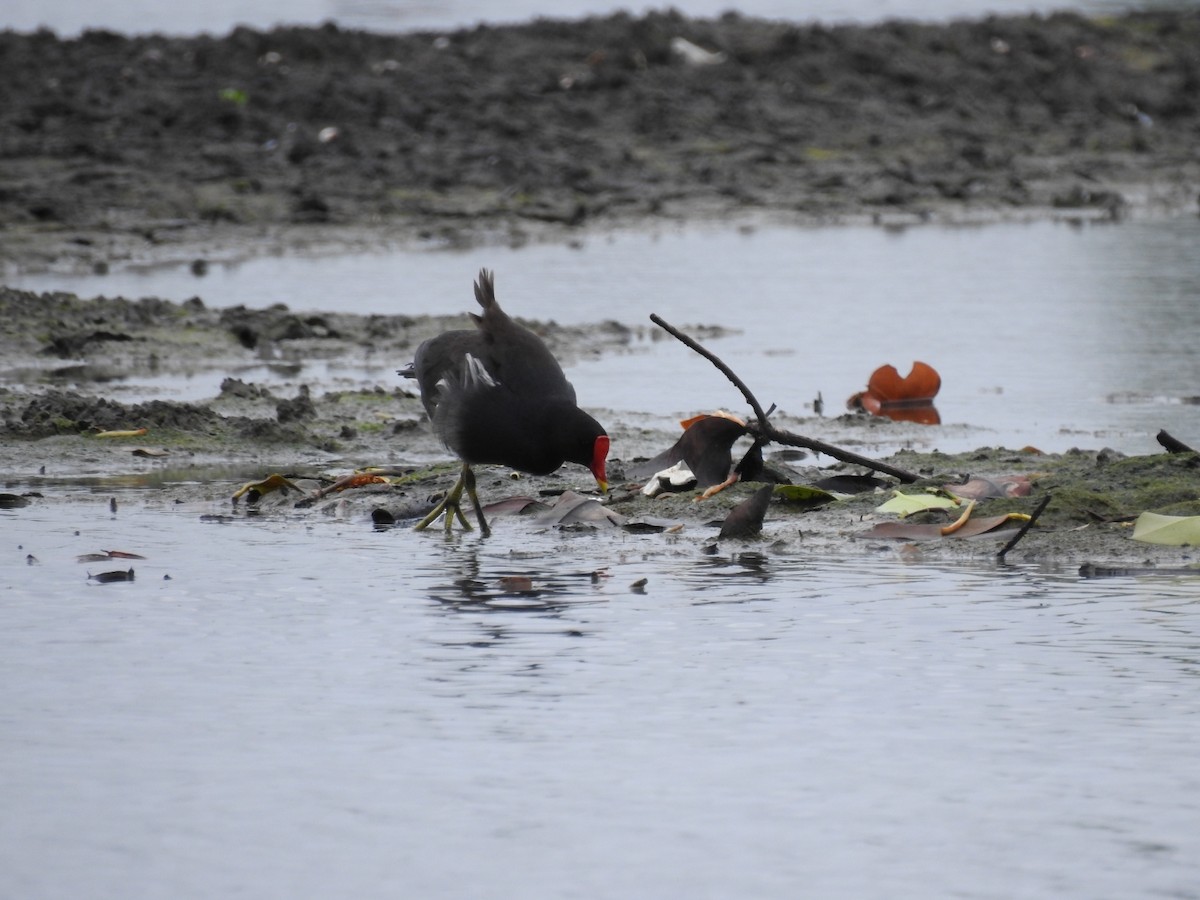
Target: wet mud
x: 118, y: 150
x: 61, y: 427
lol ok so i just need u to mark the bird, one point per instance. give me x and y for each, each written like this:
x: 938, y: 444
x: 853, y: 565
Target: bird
x: 497, y: 395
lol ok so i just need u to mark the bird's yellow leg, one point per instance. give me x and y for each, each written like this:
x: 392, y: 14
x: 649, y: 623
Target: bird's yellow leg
x: 468, y: 479
x: 449, y: 506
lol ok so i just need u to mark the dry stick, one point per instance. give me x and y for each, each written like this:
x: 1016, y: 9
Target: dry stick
x: 1172, y: 444
x: 1041, y: 507
x: 770, y: 432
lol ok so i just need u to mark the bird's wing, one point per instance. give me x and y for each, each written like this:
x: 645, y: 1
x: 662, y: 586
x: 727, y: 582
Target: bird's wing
x: 514, y: 355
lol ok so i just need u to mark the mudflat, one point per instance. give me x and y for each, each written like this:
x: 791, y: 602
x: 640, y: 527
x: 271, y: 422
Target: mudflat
x: 126, y: 149
x: 114, y: 146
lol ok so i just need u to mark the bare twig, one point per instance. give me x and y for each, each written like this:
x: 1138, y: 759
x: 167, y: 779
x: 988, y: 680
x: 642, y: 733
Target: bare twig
x: 766, y: 430
x: 716, y: 361
x: 1041, y: 507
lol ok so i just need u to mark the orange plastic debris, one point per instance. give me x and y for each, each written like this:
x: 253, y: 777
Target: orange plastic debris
x: 907, y: 399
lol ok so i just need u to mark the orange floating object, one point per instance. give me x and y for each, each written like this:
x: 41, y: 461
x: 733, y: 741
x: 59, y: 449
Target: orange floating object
x: 907, y: 399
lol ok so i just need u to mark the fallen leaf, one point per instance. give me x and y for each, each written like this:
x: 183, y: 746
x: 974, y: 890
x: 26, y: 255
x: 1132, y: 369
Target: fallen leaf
x: 746, y: 519
x: 983, y: 488
x: 358, y: 479
x: 576, y: 509
x: 513, y: 506
x: 652, y: 525
x: 803, y: 495
x: 851, y: 484
x: 992, y: 526
x: 903, y: 504
x: 1173, y: 531
x: 256, y: 489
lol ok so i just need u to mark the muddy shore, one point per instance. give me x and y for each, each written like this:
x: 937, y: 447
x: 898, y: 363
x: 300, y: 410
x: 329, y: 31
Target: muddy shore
x: 120, y: 150
x: 117, y: 148
x: 61, y: 429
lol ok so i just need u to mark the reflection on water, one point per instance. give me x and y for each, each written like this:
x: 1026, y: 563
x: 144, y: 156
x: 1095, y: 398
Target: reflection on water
x: 456, y: 715
x: 1045, y: 334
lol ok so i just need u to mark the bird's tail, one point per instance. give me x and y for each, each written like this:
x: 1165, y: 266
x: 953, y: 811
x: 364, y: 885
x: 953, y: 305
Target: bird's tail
x: 485, y: 289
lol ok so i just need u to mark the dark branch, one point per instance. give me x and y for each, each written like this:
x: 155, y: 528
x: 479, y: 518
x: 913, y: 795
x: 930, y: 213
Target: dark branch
x: 765, y: 430
x: 1172, y: 444
x: 716, y: 361
x: 1041, y: 507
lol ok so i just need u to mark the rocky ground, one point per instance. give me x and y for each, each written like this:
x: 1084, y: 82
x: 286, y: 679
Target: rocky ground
x: 121, y: 149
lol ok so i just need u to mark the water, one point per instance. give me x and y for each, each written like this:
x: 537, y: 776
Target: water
x: 307, y: 707
x: 324, y: 710
x: 69, y: 17
x: 1045, y: 334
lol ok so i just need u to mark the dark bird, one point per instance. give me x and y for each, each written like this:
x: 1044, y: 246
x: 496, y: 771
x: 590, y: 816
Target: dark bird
x: 497, y: 395
x: 706, y: 446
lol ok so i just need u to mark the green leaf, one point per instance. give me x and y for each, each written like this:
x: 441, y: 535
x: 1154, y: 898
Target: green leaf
x: 803, y: 495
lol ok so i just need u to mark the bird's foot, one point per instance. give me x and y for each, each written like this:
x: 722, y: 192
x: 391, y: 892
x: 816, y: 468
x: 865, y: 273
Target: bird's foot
x: 450, y: 506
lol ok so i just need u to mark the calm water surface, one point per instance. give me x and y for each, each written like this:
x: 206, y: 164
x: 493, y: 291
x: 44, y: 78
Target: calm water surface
x: 322, y: 710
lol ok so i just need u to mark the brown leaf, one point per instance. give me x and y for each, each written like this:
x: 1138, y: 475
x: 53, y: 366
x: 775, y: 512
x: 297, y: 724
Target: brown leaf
x: 984, y: 488
x: 993, y: 526
x: 746, y: 519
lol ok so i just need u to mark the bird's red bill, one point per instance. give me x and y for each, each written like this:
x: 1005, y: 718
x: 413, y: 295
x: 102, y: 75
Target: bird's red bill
x: 599, y: 455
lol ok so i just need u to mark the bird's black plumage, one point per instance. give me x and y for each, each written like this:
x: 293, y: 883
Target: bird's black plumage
x: 496, y: 394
